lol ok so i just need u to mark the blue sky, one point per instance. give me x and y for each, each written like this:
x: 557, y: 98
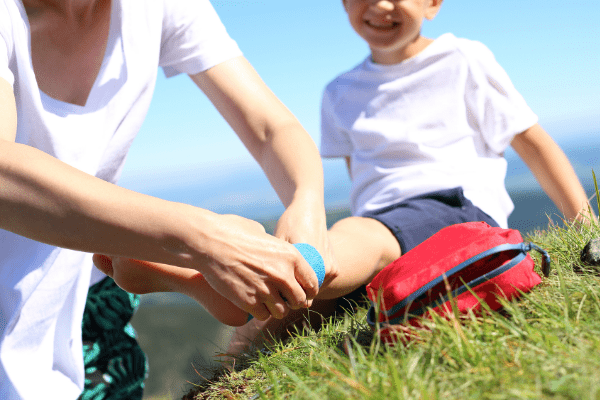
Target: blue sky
x: 549, y: 48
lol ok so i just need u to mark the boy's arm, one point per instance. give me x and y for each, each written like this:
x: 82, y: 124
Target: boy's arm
x: 553, y: 171
x: 278, y: 142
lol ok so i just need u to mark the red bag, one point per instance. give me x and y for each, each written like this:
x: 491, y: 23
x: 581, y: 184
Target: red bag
x: 456, y: 262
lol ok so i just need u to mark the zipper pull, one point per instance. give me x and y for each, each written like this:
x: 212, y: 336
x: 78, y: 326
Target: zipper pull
x: 546, y: 262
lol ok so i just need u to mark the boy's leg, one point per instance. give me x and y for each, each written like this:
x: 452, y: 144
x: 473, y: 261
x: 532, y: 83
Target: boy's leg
x: 145, y: 277
x: 361, y: 247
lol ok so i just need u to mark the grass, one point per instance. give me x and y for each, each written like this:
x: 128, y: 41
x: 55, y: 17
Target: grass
x: 544, y: 346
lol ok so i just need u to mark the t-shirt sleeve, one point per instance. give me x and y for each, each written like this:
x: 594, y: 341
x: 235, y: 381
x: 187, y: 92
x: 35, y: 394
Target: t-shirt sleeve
x: 193, y: 38
x: 495, y: 107
x: 334, y: 140
x: 5, y: 72
x: 5, y: 46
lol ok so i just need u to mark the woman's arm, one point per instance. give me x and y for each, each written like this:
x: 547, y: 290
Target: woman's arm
x: 553, y: 171
x: 282, y: 147
x: 49, y: 201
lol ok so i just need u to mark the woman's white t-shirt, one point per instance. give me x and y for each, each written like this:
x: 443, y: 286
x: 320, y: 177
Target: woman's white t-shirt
x: 43, y: 288
x: 439, y: 120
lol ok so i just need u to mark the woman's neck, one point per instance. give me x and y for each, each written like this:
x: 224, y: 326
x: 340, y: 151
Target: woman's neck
x: 80, y: 12
x: 68, y: 45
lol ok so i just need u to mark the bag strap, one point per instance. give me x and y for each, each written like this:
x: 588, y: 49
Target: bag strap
x: 522, y: 248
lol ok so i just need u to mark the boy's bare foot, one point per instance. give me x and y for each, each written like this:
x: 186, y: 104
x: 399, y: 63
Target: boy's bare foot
x: 256, y: 334
x: 146, y: 277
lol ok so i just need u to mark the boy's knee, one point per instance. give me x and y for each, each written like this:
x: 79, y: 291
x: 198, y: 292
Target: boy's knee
x: 370, y: 233
x: 356, y: 226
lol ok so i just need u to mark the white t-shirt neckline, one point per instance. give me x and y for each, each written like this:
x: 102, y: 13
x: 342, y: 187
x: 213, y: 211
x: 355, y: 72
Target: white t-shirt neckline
x: 113, y: 59
x: 371, y: 65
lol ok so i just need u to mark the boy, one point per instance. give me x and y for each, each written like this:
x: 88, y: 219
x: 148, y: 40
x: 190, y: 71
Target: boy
x: 423, y: 125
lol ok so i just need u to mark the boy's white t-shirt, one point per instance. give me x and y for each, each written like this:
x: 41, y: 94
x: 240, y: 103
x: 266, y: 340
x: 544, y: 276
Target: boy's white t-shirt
x: 43, y: 288
x: 439, y: 120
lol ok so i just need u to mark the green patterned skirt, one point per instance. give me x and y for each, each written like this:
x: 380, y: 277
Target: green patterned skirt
x: 115, y: 365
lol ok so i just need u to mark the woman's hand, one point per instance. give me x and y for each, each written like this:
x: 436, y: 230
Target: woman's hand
x: 305, y: 222
x: 261, y: 274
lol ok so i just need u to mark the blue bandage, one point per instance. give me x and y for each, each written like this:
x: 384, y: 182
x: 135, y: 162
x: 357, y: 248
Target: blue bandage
x: 312, y: 256
x: 314, y: 259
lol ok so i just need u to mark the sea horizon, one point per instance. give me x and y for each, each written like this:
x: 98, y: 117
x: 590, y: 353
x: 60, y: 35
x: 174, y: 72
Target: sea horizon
x: 242, y: 189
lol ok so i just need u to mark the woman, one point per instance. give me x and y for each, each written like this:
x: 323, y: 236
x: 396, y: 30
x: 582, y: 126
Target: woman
x: 76, y: 79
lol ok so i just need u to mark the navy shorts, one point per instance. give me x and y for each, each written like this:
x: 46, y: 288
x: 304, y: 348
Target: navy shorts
x: 416, y: 219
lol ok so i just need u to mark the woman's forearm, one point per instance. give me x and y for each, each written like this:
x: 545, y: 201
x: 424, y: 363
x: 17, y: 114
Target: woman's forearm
x: 49, y: 201
x: 267, y: 128
x: 292, y: 163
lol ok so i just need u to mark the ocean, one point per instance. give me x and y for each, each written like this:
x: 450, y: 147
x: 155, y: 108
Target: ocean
x: 244, y: 190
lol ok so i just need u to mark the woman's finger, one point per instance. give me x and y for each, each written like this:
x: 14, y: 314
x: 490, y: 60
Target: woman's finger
x: 260, y: 312
x: 277, y: 307
x: 307, y: 278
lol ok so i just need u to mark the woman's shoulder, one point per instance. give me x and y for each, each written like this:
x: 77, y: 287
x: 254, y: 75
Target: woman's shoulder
x: 186, y: 9
x: 10, y: 14
x: 12, y: 10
